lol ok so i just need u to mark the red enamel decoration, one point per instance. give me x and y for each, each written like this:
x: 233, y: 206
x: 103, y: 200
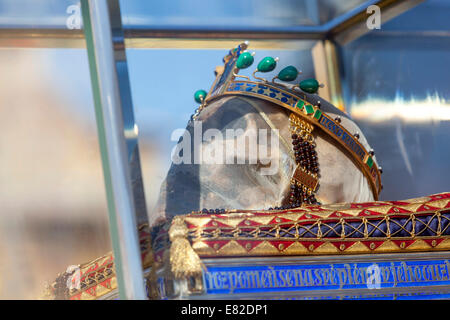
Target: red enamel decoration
x: 248, y: 244
x: 398, y: 210
x: 403, y: 244
x: 248, y: 223
x: 106, y: 284
x: 279, y: 220
x: 92, y: 291
x: 311, y: 244
x: 216, y: 244
x: 343, y: 245
x: 76, y: 297
x: 433, y: 242
x: 216, y: 224
x: 372, y: 245
x: 426, y: 207
x: 338, y: 214
x: 440, y: 196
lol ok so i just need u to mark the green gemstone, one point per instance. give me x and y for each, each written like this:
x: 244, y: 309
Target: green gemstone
x: 317, y: 114
x: 369, y: 162
x: 267, y: 64
x: 289, y: 73
x: 200, y: 95
x: 309, y: 85
x: 300, y: 104
x: 309, y: 109
x: 244, y: 61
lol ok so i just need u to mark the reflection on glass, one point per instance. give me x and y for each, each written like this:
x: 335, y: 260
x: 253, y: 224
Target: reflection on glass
x: 36, y: 14
x: 397, y: 91
x: 52, y: 202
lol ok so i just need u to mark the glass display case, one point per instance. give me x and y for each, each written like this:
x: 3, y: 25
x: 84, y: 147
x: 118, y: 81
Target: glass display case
x: 97, y: 94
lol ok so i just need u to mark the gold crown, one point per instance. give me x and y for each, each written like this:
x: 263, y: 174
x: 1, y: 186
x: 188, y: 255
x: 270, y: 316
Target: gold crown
x: 300, y: 99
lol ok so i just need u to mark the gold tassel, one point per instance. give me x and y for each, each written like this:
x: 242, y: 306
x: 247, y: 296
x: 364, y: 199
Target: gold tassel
x: 184, y: 261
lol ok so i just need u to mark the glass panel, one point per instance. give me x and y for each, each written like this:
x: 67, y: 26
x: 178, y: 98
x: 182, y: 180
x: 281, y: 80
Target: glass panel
x: 231, y: 14
x: 52, y: 200
x: 397, y: 90
x: 225, y: 14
